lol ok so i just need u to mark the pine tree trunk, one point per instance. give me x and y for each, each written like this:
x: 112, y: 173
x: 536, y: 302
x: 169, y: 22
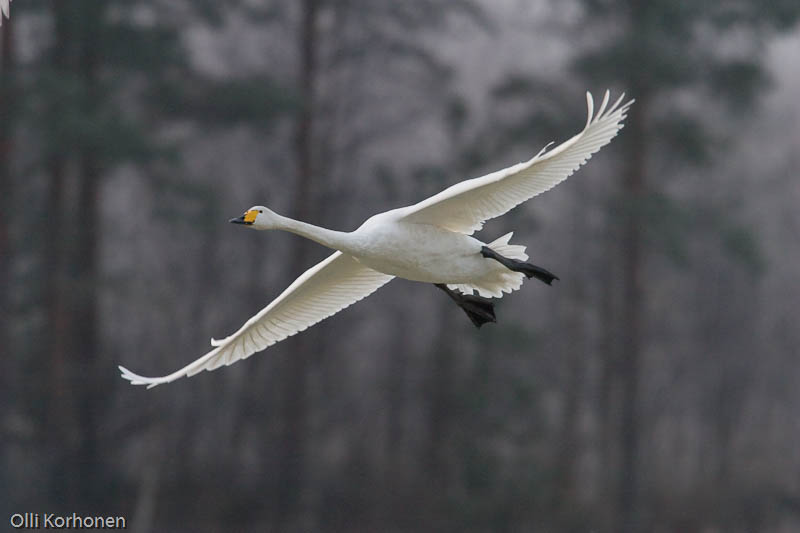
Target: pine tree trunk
x: 6, y: 201
x: 56, y: 326
x: 56, y: 338
x: 440, y: 395
x: 396, y: 396
x: 295, y: 401
x: 86, y: 264
x: 6, y: 185
x: 574, y: 347
x: 607, y: 390
x: 633, y: 184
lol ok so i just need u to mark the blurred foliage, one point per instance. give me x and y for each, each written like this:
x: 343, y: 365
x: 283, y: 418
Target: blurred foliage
x: 672, y: 228
x: 255, y: 101
x: 668, y: 49
x: 395, y: 119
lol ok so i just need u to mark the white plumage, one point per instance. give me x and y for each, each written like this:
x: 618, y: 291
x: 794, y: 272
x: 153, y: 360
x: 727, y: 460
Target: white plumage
x: 465, y: 206
x: 321, y: 291
x: 429, y: 242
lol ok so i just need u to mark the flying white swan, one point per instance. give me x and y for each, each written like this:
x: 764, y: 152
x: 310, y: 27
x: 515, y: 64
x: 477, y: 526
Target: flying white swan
x: 5, y: 9
x: 429, y: 242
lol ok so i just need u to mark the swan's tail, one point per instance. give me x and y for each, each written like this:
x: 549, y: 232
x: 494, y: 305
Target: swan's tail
x: 512, y: 251
x: 501, y: 280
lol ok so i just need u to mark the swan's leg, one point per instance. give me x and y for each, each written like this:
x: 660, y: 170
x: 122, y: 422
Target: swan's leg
x: 531, y: 271
x: 480, y: 310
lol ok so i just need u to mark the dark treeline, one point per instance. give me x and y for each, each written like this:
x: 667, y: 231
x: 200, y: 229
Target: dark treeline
x: 653, y: 389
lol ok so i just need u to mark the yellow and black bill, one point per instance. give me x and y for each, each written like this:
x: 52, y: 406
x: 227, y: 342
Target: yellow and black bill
x: 247, y: 218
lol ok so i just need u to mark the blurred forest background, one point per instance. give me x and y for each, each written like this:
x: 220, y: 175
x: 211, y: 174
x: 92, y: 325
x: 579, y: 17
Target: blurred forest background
x: 655, y: 388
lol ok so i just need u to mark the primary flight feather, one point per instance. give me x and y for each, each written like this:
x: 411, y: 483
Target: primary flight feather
x: 429, y: 242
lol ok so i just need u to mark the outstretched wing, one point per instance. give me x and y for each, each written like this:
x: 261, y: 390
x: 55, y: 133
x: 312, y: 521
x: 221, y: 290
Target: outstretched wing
x: 4, y: 10
x: 464, y: 207
x: 320, y: 292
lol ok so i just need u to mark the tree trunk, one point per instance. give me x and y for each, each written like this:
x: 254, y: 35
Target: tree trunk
x: 295, y: 408
x: 396, y: 395
x: 633, y: 183
x: 441, y: 398
x: 56, y: 341
x: 574, y: 348
x: 607, y: 389
x: 56, y: 327
x: 8, y: 379
x: 6, y: 185
x: 86, y: 265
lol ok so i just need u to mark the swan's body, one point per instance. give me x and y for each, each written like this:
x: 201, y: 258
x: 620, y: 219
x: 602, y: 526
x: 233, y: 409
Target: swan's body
x: 429, y: 242
x: 419, y: 252
x: 5, y: 9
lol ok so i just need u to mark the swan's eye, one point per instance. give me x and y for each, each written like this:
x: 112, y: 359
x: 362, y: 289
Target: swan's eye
x: 260, y: 210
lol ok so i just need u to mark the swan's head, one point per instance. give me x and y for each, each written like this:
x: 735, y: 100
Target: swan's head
x: 258, y: 217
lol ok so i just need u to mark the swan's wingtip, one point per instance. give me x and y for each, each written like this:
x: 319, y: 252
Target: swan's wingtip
x: 126, y: 374
x: 136, y: 379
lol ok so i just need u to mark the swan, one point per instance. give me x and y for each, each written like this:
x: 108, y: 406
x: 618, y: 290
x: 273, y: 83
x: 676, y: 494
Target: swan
x: 5, y: 9
x: 429, y: 242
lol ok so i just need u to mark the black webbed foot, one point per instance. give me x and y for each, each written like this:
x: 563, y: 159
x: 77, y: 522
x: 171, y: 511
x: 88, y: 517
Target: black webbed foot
x: 533, y: 271
x: 530, y: 270
x: 480, y: 310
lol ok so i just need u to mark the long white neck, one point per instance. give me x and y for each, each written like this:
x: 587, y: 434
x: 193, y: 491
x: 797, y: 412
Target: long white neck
x: 337, y: 240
